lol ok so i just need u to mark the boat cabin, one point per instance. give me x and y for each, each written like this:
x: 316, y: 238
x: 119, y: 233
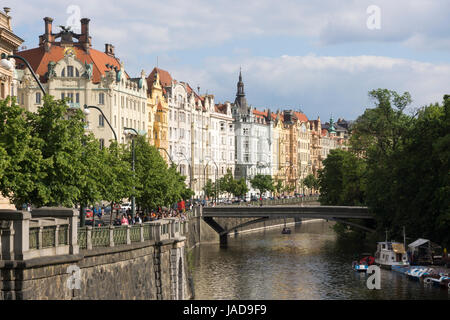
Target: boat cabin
x: 391, y: 254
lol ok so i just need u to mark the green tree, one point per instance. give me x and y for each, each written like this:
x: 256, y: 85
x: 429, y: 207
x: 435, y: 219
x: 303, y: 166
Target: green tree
x: 342, y: 180
x: 45, y: 152
x: 310, y: 181
x: 262, y: 183
x: 20, y: 162
x: 117, y: 178
x: 210, y: 189
x: 278, y: 186
x: 239, y: 188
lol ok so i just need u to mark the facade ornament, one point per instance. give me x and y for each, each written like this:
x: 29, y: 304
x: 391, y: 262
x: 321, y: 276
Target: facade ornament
x: 88, y: 70
x: 50, y: 70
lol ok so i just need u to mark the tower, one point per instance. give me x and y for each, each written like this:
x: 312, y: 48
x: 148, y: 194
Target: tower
x: 241, y: 101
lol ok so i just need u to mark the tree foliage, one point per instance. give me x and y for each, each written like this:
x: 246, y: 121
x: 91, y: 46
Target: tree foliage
x: 398, y: 165
x: 262, y: 183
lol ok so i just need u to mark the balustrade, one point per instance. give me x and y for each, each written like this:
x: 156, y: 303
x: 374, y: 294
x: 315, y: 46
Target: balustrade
x: 55, y: 231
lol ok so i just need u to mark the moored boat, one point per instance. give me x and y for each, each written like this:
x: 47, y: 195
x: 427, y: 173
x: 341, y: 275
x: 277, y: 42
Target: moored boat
x: 418, y: 273
x: 391, y: 254
x: 363, y: 264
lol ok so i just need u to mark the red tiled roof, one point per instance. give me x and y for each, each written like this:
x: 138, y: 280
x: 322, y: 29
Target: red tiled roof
x: 220, y: 108
x: 39, y: 59
x: 301, y: 116
x: 259, y: 113
x: 165, y: 78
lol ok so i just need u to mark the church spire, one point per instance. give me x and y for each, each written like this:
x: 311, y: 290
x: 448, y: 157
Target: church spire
x: 240, y: 101
x: 240, y: 86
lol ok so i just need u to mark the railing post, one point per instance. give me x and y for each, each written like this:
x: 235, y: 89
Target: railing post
x: 111, y: 236
x: 56, y: 235
x: 128, y: 234
x: 142, y: 232
x: 88, y: 238
x: 7, y: 240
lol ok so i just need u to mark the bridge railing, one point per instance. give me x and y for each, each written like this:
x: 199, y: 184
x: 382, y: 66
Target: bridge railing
x: 274, y: 202
x: 55, y: 231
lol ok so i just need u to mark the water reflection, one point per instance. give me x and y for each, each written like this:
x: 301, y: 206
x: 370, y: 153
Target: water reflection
x: 309, y: 263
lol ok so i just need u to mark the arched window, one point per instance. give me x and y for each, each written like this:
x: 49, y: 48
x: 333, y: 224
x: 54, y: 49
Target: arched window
x: 63, y: 72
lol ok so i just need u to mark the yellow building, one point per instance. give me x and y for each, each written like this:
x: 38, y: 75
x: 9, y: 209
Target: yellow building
x: 158, y: 110
x: 9, y: 43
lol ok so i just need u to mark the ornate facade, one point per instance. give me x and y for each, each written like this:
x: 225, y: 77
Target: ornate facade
x: 9, y: 44
x: 74, y: 70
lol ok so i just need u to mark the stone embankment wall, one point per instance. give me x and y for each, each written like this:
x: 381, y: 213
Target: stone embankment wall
x: 153, y: 269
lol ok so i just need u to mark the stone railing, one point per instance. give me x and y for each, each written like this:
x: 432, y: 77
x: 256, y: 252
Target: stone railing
x: 275, y: 202
x: 54, y: 231
x: 110, y: 236
x: 43, y: 232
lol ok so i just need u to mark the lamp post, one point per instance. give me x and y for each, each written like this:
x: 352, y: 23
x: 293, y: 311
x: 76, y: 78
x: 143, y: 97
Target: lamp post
x: 87, y: 112
x: 189, y: 167
x: 217, y: 174
x: 303, y: 172
x: 167, y: 153
x: 5, y: 63
x: 133, y: 200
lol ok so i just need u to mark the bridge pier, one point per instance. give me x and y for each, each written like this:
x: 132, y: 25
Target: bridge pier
x: 223, y: 240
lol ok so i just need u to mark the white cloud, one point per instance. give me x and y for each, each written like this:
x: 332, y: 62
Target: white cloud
x: 178, y: 24
x: 321, y: 85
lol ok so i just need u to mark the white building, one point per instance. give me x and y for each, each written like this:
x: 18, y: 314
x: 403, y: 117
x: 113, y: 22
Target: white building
x: 253, y: 136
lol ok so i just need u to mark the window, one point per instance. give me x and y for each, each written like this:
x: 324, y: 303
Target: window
x: 70, y: 96
x: 77, y: 97
x: 38, y: 97
x: 101, y: 121
x: 245, y: 131
x: 102, y: 143
x: 63, y: 72
x: 3, y: 91
x: 115, y: 121
x: 70, y: 71
x: 63, y: 95
x: 77, y: 73
x: 222, y: 126
x: 101, y: 98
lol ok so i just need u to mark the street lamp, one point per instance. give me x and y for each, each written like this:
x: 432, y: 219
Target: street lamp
x: 167, y: 153
x: 86, y: 112
x: 133, y: 205
x: 303, y: 172
x: 189, y: 167
x: 217, y: 174
x: 5, y: 63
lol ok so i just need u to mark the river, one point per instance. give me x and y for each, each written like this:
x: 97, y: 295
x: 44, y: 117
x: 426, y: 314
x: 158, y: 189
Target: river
x: 309, y: 263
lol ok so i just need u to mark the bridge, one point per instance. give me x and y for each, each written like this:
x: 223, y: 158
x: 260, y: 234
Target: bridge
x: 263, y: 213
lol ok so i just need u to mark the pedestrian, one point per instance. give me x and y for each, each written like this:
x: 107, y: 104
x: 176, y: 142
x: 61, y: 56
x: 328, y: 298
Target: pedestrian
x: 124, y: 221
x: 130, y: 220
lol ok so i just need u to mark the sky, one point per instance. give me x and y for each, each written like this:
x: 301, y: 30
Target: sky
x: 319, y: 57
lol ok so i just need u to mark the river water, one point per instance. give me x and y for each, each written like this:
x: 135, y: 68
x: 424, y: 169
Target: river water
x: 309, y: 263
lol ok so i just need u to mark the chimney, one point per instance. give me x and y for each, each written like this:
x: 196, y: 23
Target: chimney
x: 85, y: 39
x: 109, y: 49
x: 48, y: 36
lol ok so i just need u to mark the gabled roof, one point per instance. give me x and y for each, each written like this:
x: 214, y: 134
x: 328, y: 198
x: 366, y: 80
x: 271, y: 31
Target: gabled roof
x: 165, y: 78
x: 39, y: 59
x: 301, y: 116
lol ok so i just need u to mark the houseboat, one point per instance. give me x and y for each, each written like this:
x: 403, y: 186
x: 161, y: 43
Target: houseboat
x: 390, y: 254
